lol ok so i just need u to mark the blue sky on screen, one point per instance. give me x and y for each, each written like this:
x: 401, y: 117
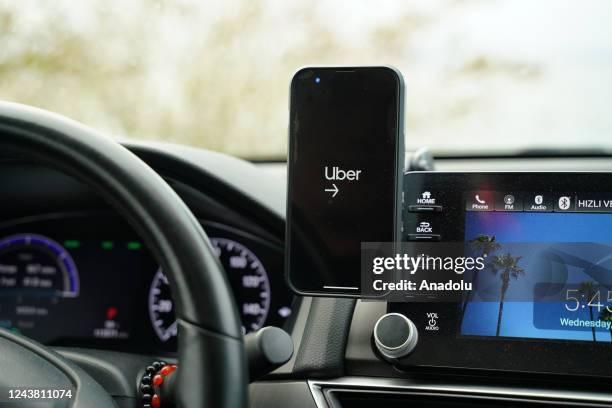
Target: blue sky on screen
x: 584, y: 242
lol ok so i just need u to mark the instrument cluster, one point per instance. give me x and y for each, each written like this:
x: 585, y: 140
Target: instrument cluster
x: 87, y: 280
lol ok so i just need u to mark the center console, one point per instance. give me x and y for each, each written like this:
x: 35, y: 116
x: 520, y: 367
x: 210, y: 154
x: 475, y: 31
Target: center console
x: 532, y: 328
x: 543, y: 302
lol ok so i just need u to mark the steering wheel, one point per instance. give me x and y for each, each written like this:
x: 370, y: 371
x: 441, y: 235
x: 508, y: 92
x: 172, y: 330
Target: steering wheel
x: 213, y: 370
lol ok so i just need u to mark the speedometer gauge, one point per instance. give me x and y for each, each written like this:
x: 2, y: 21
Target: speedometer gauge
x: 248, y: 279
x: 161, y: 307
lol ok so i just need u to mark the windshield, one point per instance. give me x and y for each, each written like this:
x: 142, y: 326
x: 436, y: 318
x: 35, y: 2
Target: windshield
x: 497, y: 77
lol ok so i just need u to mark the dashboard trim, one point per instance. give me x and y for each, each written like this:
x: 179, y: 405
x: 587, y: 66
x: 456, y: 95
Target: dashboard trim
x: 374, y: 385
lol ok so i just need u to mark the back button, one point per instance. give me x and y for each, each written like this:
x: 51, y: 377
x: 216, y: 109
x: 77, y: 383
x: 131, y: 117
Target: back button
x: 424, y: 237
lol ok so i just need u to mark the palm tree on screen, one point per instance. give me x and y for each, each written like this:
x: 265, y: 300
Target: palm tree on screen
x: 606, y: 316
x: 507, y: 267
x: 586, y: 288
x: 482, y: 246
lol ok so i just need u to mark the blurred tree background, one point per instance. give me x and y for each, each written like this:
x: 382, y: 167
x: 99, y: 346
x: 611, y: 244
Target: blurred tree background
x: 216, y: 74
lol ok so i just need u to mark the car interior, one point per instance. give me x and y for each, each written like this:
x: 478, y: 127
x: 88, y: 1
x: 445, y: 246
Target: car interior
x: 220, y: 267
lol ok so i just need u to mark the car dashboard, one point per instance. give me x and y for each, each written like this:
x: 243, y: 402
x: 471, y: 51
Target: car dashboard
x: 75, y: 276
x: 73, y: 273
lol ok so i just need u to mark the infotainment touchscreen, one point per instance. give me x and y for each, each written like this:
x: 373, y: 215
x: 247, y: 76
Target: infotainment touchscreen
x: 542, y: 302
x: 561, y: 260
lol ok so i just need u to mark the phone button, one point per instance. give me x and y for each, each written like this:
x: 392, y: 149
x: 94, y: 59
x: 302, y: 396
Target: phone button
x: 425, y: 208
x: 423, y: 237
x: 480, y: 201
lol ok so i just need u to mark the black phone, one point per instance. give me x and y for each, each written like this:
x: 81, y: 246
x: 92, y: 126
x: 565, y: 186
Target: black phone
x: 345, y: 166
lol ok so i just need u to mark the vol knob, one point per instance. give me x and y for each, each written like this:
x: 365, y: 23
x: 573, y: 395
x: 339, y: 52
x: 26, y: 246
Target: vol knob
x: 395, y: 336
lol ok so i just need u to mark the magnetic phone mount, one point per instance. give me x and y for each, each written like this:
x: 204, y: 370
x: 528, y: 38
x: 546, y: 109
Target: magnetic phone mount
x: 420, y: 160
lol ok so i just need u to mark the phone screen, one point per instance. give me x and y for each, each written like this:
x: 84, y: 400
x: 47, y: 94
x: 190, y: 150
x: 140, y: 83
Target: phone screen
x: 345, y: 164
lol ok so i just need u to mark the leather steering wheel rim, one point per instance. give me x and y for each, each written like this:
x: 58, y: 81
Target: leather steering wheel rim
x: 212, y: 370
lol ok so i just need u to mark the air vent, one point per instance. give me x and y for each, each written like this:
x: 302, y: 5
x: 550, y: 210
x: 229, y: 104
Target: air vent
x: 350, y: 398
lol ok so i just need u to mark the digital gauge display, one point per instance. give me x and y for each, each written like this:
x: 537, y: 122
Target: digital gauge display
x: 37, y: 276
x: 87, y: 280
x: 44, y: 296
x: 248, y: 279
x: 35, y: 265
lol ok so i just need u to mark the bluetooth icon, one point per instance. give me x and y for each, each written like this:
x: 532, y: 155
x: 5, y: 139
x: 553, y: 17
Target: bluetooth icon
x: 564, y: 203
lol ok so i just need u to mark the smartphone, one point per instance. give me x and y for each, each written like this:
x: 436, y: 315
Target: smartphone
x: 345, y: 166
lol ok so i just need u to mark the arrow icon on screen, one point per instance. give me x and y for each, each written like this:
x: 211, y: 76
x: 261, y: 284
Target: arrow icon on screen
x: 334, y: 190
